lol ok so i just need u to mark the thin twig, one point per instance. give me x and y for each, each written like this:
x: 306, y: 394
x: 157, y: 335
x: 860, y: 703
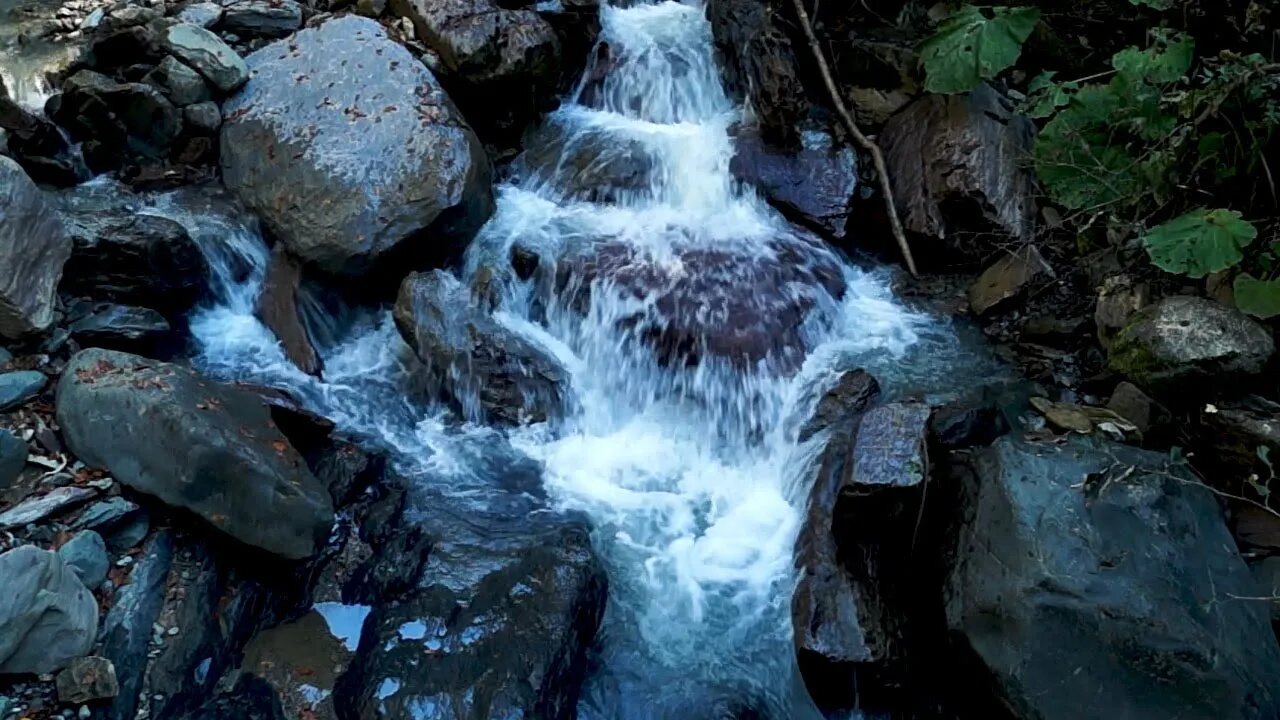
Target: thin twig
x: 866, y: 143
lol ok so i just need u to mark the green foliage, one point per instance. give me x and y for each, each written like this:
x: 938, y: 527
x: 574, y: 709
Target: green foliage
x: 1156, y: 4
x: 1260, y: 298
x: 975, y: 44
x: 1200, y: 242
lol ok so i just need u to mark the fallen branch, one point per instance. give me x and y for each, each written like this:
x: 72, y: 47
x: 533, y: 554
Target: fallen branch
x: 863, y: 141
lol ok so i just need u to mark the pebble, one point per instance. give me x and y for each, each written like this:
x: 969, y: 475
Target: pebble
x: 85, y: 713
x: 16, y: 388
x: 125, y: 561
x: 173, y: 631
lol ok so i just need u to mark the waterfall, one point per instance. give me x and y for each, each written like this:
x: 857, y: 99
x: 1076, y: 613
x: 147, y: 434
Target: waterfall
x: 690, y: 471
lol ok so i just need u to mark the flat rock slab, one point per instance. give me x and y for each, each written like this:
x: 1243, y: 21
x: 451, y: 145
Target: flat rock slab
x: 890, y: 449
x: 38, y: 508
x: 33, y: 249
x: 17, y: 388
x: 208, y: 54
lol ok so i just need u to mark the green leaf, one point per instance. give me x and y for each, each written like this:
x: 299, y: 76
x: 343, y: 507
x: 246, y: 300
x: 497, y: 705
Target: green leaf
x: 1200, y: 242
x: 1044, y: 96
x: 1167, y: 60
x: 1259, y: 298
x: 1156, y: 4
x: 975, y: 45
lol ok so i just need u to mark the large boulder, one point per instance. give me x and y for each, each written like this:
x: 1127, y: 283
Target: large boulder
x: 33, y: 249
x: 959, y: 169
x: 47, y: 616
x: 813, y: 184
x: 125, y: 256
x: 1099, y: 580
x: 1184, y: 340
x: 195, y: 444
x: 760, y: 65
x: 348, y: 148
x: 489, y: 49
x: 490, y: 371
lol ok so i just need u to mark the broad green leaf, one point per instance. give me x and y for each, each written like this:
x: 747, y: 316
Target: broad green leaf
x: 975, y: 45
x: 1260, y: 298
x: 1156, y: 4
x: 1200, y: 242
x: 1167, y: 60
x: 1045, y: 96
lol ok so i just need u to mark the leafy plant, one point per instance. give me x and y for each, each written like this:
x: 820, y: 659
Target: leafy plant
x: 975, y: 44
x: 1200, y: 242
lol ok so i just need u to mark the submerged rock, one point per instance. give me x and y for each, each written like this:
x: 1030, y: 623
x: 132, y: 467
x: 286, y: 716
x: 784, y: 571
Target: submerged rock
x: 47, y: 617
x: 1095, y: 580
x: 120, y: 327
x: 37, y: 144
x: 960, y: 172
x: 33, y: 249
x: 488, y: 369
x: 1185, y: 338
x: 224, y: 458
x: 278, y: 310
x: 362, y: 155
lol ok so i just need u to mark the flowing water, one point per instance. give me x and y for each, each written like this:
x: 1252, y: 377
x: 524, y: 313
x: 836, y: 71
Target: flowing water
x: 690, y: 472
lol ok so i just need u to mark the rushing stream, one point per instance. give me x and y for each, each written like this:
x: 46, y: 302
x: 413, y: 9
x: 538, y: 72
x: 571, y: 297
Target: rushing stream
x: 690, y: 472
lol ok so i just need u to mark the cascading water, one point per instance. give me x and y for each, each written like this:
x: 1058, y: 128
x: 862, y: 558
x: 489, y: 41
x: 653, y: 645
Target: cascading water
x: 690, y: 471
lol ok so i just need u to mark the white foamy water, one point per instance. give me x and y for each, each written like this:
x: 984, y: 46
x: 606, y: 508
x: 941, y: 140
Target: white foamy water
x: 690, y: 471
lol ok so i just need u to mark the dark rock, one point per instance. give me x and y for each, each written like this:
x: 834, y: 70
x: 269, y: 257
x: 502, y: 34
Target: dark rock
x: 224, y: 458
x: 1007, y: 278
x: 489, y: 49
x: 261, y: 18
x: 129, y: 257
x: 204, y: 117
x: 1268, y: 574
x: 113, y: 48
x: 120, y: 118
x: 33, y: 249
x: 813, y: 184
x: 13, y: 458
x: 487, y: 369
x: 302, y: 661
x: 130, y: 532
x: 1091, y: 579
x: 760, y: 65
x: 86, y: 679
x: 208, y: 54
x: 181, y: 84
x: 47, y: 617
x: 1185, y: 339
x: 105, y: 514
x: 959, y: 426
x: 251, y: 699
x: 86, y: 555
x: 127, y: 629
x: 36, y: 509
x: 278, y: 310
x: 852, y: 394
x: 1130, y: 403
x: 302, y: 154
x: 347, y: 470
x: 586, y: 164
x: 960, y: 172
x: 20, y: 387
x: 121, y: 327
x: 37, y: 145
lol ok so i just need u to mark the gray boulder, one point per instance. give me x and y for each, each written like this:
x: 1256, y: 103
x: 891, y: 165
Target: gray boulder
x: 33, y: 249
x: 1097, y: 580
x: 47, y: 617
x: 212, y: 449
x: 368, y: 154
x: 208, y: 54
x: 180, y: 83
x: 19, y: 387
x: 86, y: 555
x: 262, y: 18
x: 1185, y: 339
x: 487, y: 369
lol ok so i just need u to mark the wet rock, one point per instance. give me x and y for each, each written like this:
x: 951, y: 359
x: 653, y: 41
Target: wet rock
x: 208, y: 54
x: 127, y: 629
x: 964, y: 425
x: 86, y: 555
x: 813, y: 184
x: 129, y: 257
x: 278, y: 310
x: 1007, y: 278
x: 851, y: 395
x: 33, y: 249
x: 181, y: 84
x: 959, y: 170
x: 586, y: 164
x: 129, y: 532
x: 1186, y: 339
x: 490, y: 49
x: 201, y: 14
x: 225, y: 459
x: 890, y: 449
x: 47, y: 617
x: 37, y: 144
x: 301, y: 660
x: 87, y: 679
x: 366, y: 156
x: 261, y: 18
x: 116, y: 119
x: 347, y: 470
x: 121, y: 327
x: 20, y: 387
x: 760, y: 64
x: 204, y: 117
x: 489, y: 370
x: 729, y: 303
x: 13, y: 458
x: 497, y: 600
x: 1089, y: 581
x: 38, y: 508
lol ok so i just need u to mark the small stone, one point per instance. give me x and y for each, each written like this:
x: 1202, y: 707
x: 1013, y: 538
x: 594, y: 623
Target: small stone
x: 203, y: 117
x: 18, y: 388
x: 86, y: 555
x: 105, y: 513
x: 125, y: 561
x: 1118, y: 299
x: 172, y: 631
x: 1129, y: 402
x: 208, y: 54
x: 87, y: 678
x: 1007, y: 278
x: 183, y: 85
x: 85, y: 713
x: 38, y: 508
